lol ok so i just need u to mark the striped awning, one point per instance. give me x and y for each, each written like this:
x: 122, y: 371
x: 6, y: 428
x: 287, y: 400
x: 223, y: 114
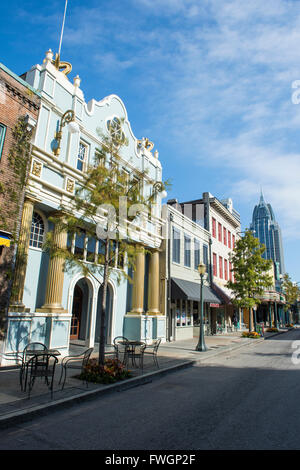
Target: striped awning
x: 5, y: 238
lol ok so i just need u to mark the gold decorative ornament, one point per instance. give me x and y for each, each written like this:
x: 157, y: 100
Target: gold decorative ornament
x: 64, y: 67
x: 145, y: 142
x: 70, y: 185
x: 36, y: 168
x: 149, y: 145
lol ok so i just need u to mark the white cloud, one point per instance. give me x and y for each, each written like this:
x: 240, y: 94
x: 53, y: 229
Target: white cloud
x: 219, y: 76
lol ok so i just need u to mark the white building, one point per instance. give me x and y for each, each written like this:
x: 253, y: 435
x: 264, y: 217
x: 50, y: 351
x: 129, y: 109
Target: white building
x: 185, y: 245
x: 221, y: 223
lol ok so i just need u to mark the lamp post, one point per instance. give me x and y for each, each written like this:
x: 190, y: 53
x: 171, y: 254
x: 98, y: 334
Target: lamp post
x: 67, y: 118
x: 201, y: 343
x: 159, y: 188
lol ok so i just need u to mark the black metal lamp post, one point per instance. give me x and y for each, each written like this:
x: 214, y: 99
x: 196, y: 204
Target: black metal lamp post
x: 201, y: 343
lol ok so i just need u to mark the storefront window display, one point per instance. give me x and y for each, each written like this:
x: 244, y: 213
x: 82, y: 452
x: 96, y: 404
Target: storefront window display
x: 184, y: 313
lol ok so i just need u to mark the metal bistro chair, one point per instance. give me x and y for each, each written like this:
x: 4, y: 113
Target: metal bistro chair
x: 139, y: 355
x: 121, y: 349
x: 68, y: 363
x: 24, y: 358
x: 151, y: 350
x: 41, y: 365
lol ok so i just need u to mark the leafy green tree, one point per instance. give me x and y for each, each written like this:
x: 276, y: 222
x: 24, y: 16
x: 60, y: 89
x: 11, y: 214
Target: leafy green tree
x: 290, y: 290
x: 251, y: 273
x: 108, y: 205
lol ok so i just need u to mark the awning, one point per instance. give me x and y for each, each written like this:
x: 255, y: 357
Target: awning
x: 182, y: 289
x: 5, y: 238
x: 222, y: 294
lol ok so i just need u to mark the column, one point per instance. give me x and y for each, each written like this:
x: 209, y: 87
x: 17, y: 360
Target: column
x: 55, y: 277
x: 16, y: 300
x: 270, y: 315
x: 153, y: 285
x: 138, y: 284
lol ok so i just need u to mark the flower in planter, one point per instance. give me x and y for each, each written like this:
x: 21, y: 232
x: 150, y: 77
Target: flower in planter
x: 251, y: 334
x: 112, y: 371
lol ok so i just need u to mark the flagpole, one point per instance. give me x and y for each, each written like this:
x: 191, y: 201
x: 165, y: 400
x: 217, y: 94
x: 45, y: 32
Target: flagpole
x: 62, y: 29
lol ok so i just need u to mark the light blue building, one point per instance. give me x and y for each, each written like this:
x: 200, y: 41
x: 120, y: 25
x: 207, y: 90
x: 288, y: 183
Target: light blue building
x: 56, y: 307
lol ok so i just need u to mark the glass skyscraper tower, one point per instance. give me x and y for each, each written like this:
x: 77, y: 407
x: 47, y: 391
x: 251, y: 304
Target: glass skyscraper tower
x: 267, y: 230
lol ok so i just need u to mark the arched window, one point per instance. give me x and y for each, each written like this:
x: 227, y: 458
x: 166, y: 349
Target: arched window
x: 37, y: 231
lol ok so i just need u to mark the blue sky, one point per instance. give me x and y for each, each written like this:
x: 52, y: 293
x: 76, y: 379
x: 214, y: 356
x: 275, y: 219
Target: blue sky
x: 209, y: 82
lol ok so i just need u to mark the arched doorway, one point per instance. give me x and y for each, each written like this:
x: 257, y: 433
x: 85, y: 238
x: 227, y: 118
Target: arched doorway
x: 80, y: 310
x: 109, y: 308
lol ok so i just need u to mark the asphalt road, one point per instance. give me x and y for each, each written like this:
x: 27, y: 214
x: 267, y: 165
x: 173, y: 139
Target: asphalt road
x: 246, y: 400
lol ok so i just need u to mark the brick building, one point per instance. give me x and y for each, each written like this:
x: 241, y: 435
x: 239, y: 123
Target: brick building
x: 18, y: 101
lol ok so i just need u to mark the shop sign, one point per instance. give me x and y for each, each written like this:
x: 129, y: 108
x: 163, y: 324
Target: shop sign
x: 214, y: 305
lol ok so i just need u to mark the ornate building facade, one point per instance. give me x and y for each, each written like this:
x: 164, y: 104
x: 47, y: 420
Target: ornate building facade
x: 53, y: 305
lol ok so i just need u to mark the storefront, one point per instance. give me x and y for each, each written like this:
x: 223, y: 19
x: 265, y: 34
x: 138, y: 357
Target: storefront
x: 186, y: 308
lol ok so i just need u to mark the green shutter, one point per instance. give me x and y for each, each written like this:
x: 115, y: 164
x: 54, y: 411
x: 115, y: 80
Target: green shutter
x: 2, y: 137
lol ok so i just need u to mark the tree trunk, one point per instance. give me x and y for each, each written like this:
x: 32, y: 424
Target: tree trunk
x: 103, y: 306
x: 250, y: 320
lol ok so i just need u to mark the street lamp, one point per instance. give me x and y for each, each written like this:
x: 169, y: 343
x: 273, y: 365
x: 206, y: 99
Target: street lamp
x: 67, y: 118
x: 201, y: 343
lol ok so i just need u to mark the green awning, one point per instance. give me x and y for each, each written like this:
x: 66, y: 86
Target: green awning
x: 182, y: 289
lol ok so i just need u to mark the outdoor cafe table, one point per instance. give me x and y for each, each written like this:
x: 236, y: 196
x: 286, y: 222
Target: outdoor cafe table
x: 35, y: 352
x: 131, y: 348
x: 41, y: 352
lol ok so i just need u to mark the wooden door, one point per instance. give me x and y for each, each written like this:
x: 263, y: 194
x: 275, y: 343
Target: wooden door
x: 76, y: 313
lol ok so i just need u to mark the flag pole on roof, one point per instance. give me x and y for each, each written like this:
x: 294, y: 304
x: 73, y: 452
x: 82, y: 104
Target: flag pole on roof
x: 64, y: 67
x: 62, y: 28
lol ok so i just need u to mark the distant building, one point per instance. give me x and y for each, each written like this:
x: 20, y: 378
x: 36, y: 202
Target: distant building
x: 267, y: 230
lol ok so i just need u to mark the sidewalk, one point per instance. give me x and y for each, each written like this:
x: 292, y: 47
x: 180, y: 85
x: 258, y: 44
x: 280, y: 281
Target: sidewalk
x: 16, y: 407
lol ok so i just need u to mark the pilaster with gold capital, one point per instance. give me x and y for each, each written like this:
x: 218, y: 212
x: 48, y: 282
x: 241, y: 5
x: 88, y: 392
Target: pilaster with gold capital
x: 16, y: 300
x: 55, y: 276
x: 138, y: 284
x: 153, y: 284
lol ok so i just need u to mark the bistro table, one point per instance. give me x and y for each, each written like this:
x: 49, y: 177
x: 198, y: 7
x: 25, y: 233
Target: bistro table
x: 131, y: 346
x: 40, y: 352
x: 32, y: 353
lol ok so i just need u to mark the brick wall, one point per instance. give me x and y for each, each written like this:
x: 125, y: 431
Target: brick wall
x: 16, y: 100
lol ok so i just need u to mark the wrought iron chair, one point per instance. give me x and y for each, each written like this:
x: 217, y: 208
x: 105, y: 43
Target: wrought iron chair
x: 121, y: 349
x: 151, y: 350
x: 25, y: 357
x: 138, y: 355
x: 41, y: 365
x: 78, y: 361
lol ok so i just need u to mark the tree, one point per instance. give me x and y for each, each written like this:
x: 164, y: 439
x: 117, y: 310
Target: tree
x: 251, y: 276
x: 107, y: 205
x: 290, y: 290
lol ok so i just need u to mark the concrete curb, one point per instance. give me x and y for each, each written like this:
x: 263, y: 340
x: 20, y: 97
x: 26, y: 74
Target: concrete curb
x: 16, y: 417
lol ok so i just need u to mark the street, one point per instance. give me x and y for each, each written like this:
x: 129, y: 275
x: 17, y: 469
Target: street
x: 248, y: 399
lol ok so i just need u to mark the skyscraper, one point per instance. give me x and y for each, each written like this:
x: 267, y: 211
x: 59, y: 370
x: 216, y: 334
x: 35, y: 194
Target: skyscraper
x: 267, y: 230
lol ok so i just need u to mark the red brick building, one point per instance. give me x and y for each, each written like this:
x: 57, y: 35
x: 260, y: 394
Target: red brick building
x: 19, y: 103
